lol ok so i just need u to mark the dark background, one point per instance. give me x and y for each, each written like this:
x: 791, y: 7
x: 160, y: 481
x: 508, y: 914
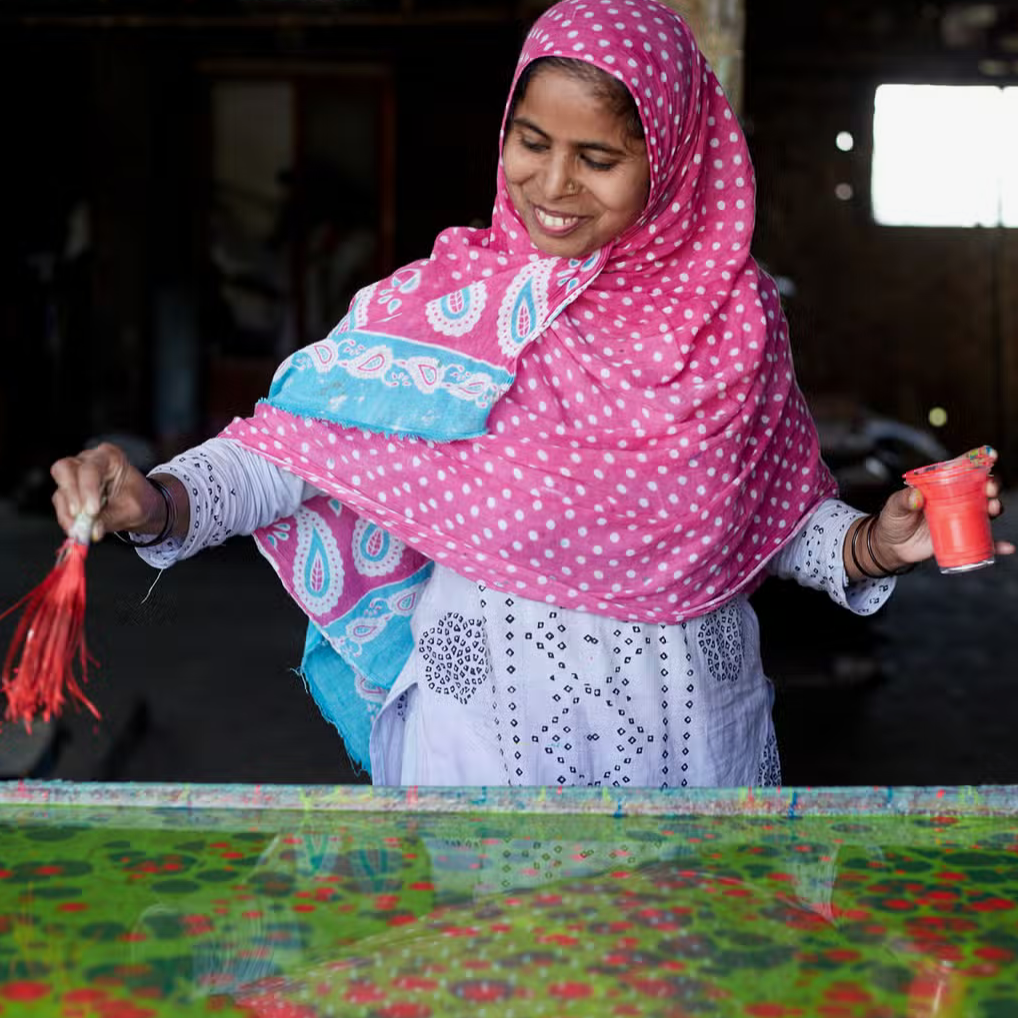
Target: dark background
x: 134, y: 304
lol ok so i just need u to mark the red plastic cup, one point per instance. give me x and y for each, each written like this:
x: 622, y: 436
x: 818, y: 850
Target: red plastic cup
x: 955, y: 507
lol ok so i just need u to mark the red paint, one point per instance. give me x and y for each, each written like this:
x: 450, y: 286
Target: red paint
x: 843, y: 955
x: 848, y: 993
x: 955, y: 509
x: 994, y: 954
x: 483, y: 992
x: 659, y: 989
x: 364, y: 993
x: 992, y: 905
x: 405, y: 1009
x: 23, y: 991
x: 415, y: 984
x: 124, y: 1009
x: 984, y: 970
x: 83, y: 996
x: 570, y: 991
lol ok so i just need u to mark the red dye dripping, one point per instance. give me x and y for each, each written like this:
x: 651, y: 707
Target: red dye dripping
x: 39, y: 671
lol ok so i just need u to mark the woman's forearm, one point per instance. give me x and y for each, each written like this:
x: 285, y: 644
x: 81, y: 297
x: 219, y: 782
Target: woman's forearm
x: 866, y: 556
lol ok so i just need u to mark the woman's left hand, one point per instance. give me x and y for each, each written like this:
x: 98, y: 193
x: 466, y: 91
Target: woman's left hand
x: 901, y: 536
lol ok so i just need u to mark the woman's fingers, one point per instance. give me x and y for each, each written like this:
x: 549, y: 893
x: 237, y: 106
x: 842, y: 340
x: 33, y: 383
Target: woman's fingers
x: 67, y: 498
x: 91, y: 482
x: 62, y: 508
x: 84, y: 478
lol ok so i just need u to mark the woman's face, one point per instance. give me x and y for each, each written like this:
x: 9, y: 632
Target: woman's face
x: 575, y: 175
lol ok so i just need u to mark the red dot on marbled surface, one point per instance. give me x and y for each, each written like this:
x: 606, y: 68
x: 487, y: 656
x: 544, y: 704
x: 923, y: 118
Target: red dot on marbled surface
x: 84, y: 996
x: 570, y: 991
x: 992, y: 905
x: 899, y: 904
x: 23, y: 990
x: 994, y: 953
x: 848, y: 993
x: 406, y: 1009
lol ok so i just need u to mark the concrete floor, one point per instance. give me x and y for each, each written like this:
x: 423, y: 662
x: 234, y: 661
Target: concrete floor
x: 195, y: 681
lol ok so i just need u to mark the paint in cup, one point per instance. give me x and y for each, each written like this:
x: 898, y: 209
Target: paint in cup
x: 955, y: 508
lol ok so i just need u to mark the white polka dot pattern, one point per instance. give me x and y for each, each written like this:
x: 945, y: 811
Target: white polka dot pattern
x: 654, y: 451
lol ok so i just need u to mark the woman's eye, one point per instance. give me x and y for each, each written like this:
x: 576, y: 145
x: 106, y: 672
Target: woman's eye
x: 595, y: 165
x: 533, y: 146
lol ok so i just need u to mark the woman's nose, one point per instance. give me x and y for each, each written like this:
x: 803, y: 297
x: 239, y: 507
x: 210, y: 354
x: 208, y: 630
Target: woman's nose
x: 558, y: 182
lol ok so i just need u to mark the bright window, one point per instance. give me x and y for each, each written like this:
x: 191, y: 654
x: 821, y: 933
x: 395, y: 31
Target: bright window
x: 945, y: 155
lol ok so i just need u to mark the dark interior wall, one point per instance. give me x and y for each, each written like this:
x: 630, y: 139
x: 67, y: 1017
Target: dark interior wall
x: 901, y: 319
x: 115, y: 115
x: 45, y: 170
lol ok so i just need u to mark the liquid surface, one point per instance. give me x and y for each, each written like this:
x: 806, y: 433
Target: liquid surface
x: 125, y: 913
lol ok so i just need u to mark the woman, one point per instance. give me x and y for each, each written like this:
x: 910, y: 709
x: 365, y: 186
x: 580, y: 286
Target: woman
x: 524, y: 488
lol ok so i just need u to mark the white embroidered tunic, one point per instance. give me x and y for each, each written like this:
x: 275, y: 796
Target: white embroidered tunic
x: 505, y: 690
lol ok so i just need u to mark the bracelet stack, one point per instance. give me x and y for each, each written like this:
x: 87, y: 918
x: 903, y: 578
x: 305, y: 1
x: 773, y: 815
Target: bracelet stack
x: 867, y: 524
x: 168, y: 524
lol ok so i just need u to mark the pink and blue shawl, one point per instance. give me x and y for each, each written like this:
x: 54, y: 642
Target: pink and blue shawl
x: 621, y: 434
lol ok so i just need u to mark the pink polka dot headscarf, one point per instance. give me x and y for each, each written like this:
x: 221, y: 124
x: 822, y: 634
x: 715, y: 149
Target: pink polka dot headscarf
x: 643, y: 448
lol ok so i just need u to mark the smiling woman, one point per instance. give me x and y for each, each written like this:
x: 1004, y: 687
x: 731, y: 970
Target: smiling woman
x: 575, y: 158
x: 524, y: 488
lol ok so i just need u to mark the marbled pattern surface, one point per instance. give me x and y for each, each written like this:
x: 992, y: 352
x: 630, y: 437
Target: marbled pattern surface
x: 411, y: 904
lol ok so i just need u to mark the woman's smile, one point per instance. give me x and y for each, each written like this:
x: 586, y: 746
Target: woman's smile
x: 557, y: 224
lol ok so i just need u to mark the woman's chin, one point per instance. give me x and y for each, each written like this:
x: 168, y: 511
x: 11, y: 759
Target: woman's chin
x: 560, y: 247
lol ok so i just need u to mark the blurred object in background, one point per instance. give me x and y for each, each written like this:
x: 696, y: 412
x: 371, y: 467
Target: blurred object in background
x: 301, y: 212
x: 868, y: 452
x: 28, y: 754
x: 808, y: 642
x: 719, y: 27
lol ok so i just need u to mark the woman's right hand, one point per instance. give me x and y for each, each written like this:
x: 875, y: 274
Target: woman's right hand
x: 102, y: 483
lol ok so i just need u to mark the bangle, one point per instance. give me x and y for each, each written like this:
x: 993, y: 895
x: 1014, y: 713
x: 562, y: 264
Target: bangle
x: 876, y: 561
x: 168, y: 524
x: 855, y: 555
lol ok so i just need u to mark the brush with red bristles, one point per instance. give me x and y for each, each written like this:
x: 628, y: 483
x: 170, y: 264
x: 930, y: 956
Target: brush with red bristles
x: 47, y: 662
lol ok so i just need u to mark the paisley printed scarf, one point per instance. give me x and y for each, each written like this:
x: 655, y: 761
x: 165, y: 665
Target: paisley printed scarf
x: 621, y: 434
